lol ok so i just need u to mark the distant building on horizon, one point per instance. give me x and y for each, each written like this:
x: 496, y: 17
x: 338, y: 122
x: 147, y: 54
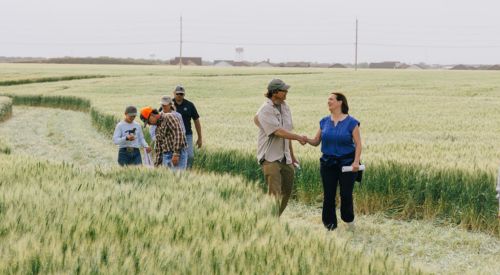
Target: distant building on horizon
x: 463, y: 67
x: 338, y: 66
x: 385, y: 65
x: 414, y: 67
x: 223, y: 63
x: 188, y: 61
x: 264, y: 64
x: 231, y: 63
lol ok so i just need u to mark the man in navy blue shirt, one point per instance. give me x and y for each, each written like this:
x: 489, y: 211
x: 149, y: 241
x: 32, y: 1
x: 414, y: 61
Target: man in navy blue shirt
x: 188, y: 111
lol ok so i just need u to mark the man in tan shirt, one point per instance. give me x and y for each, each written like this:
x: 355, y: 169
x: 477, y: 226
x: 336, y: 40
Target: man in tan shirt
x: 274, y: 151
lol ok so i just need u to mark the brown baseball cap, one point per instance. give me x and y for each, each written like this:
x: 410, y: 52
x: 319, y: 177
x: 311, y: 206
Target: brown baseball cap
x: 131, y: 111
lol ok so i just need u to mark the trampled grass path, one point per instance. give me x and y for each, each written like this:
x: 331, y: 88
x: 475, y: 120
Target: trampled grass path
x: 435, y: 249
x: 58, y: 135
x: 68, y: 136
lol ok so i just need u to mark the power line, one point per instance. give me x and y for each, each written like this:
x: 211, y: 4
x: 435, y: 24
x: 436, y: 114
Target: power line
x: 87, y: 43
x: 432, y: 46
x: 114, y: 43
x: 266, y: 44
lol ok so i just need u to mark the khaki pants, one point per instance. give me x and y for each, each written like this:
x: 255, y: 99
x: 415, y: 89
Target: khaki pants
x: 279, y: 179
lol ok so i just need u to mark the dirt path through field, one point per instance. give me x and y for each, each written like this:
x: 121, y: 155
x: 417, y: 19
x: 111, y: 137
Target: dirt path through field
x: 437, y: 249
x: 57, y: 135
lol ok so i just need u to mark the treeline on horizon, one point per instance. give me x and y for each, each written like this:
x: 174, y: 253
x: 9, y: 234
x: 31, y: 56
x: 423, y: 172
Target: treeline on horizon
x: 142, y: 61
x: 84, y: 60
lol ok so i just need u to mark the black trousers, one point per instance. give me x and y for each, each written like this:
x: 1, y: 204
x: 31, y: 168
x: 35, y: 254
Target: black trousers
x: 332, y: 176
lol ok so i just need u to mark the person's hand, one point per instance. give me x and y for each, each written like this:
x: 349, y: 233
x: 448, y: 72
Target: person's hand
x: 355, y: 166
x: 148, y: 149
x: 199, y: 143
x: 303, y: 140
x: 175, y: 159
x: 130, y: 137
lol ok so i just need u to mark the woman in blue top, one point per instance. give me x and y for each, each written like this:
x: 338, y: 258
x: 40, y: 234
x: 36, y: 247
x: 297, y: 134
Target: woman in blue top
x: 340, y: 140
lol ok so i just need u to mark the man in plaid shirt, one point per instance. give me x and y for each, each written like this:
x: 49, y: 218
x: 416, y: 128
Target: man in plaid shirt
x: 170, y: 139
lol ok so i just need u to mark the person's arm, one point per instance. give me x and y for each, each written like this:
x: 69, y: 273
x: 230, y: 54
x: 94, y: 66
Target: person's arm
x: 356, y: 135
x: 152, y: 132
x: 175, y: 127
x: 158, y: 156
x: 316, y: 140
x: 256, y: 120
x: 142, y: 140
x: 282, y: 133
x: 117, y: 136
x: 197, y: 125
x: 160, y: 143
x: 271, y: 126
x: 294, y: 160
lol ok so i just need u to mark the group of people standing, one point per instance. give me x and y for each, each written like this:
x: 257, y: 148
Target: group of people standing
x: 170, y: 130
x: 338, y: 134
x: 340, y: 139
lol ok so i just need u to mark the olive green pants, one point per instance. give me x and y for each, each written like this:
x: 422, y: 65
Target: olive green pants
x: 279, y: 179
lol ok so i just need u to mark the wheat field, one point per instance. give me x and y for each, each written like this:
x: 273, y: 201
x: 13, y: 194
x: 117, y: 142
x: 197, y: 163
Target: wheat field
x: 424, y: 245
x: 423, y: 164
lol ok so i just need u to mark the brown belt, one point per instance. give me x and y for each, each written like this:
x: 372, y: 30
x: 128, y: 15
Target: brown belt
x: 129, y: 149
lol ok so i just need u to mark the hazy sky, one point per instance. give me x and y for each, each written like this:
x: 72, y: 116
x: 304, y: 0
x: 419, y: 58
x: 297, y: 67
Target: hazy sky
x: 432, y: 31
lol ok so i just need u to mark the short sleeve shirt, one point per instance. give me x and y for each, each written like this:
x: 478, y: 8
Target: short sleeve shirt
x: 271, y: 118
x: 188, y: 112
x: 337, y: 140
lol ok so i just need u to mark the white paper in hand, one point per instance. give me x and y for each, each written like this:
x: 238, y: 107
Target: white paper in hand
x: 148, y: 160
x: 349, y: 168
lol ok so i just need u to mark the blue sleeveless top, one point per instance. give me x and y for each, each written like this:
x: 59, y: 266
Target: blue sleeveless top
x: 337, y: 140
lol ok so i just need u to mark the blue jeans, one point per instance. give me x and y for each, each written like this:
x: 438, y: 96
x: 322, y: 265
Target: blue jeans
x: 129, y: 157
x: 167, y: 160
x: 190, y: 151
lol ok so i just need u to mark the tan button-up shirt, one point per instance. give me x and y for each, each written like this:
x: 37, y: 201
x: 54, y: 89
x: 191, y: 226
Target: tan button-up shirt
x: 270, y: 147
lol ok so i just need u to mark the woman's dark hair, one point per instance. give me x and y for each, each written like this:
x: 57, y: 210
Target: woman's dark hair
x: 345, y: 106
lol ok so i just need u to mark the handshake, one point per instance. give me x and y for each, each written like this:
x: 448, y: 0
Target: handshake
x: 303, y: 140
x: 300, y: 138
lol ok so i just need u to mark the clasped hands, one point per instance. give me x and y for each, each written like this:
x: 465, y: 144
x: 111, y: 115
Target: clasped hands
x: 303, y: 140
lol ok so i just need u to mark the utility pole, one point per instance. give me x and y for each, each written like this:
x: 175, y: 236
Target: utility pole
x: 356, y: 48
x: 180, y: 48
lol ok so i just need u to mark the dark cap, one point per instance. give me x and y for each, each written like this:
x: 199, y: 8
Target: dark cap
x: 277, y: 85
x: 131, y: 111
x: 179, y: 89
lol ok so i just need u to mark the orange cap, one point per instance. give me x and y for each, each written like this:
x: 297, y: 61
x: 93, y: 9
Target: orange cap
x: 146, y: 112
